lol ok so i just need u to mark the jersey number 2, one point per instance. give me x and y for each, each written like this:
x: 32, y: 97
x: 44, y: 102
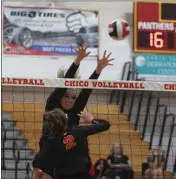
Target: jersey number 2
x: 69, y: 142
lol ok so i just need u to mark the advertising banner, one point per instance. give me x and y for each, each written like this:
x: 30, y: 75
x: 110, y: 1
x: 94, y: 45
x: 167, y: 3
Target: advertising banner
x: 51, y: 32
x: 156, y: 67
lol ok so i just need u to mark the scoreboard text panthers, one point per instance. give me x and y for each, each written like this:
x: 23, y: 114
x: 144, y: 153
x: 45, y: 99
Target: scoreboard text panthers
x: 155, y: 27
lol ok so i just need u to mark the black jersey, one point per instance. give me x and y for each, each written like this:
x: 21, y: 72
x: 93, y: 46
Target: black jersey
x: 69, y: 152
x: 53, y: 100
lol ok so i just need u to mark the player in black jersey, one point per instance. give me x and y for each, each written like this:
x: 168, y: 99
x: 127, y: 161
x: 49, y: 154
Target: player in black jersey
x: 66, y: 99
x: 67, y: 147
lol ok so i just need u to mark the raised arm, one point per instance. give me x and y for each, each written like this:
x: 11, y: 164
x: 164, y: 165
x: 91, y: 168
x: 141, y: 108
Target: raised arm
x: 96, y: 125
x: 85, y: 93
x: 53, y: 100
x: 83, y: 97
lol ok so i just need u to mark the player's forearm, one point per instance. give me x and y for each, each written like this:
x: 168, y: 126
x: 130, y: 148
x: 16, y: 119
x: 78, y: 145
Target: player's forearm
x: 98, y: 70
x: 99, y: 125
x: 95, y: 75
x: 37, y: 174
x: 72, y: 70
x: 81, y: 101
x: 77, y: 61
x: 84, y: 95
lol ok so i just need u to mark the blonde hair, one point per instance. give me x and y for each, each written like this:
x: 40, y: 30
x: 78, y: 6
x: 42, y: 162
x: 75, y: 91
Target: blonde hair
x: 113, y: 146
x: 158, y: 159
x: 158, y: 148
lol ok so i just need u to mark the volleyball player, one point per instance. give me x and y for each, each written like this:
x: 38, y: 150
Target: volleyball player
x: 67, y: 147
x: 66, y: 99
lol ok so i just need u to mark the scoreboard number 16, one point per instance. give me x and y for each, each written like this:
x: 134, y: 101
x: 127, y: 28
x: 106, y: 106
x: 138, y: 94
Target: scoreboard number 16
x: 156, y: 40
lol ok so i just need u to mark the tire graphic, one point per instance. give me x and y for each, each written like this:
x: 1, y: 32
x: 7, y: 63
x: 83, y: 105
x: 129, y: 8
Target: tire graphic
x: 23, y: 37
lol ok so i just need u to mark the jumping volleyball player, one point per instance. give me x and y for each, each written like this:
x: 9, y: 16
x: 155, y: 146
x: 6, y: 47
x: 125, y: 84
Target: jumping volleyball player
x: 67, y: 147
x: 65, y: 99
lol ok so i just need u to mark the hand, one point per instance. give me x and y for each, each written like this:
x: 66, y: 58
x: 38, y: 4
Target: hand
x: 37, y: 173
x: 81, y: 54
x: 75, y: 21
x: 104, y: 62
x: 86, y: 115
x: 46, y: 176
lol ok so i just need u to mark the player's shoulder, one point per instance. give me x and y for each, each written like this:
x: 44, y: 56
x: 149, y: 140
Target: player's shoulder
x: 72, y: 129
x: 75, y: 131
x: 50, y: 139
x: 56, y: 141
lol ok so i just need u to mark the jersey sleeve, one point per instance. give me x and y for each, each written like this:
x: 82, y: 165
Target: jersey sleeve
x: 100, y: 126
x: 43, y: 159
x: 53, y: 100
x: 83, y: 97
x: 40, y: 158
x: 40, y: 143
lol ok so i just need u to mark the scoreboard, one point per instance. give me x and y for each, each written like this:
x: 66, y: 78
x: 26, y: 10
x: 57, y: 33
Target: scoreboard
x: 155, y: 27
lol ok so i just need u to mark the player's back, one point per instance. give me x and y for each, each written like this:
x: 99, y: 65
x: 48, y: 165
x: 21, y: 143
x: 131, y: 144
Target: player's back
x: 68, y: 152
x: 71, y: 150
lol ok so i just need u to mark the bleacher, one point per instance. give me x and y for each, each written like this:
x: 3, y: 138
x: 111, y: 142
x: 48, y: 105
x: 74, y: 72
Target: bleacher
x: 16, y: 156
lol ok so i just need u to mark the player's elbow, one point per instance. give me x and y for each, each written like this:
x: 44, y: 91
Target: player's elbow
x: 35, y: 164
x: 107, y: 125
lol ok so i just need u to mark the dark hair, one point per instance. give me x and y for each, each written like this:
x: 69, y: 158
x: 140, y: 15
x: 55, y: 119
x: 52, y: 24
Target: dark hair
x: 106, y: 166
x: 54, y: 122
